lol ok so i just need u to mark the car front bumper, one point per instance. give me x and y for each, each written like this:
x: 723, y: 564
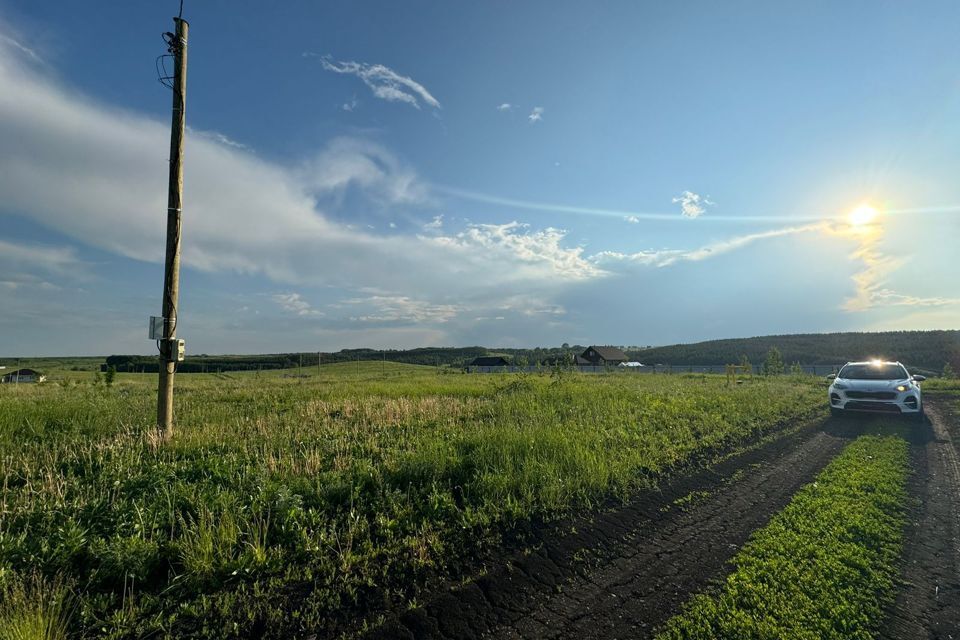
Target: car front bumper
x: 907, y: 402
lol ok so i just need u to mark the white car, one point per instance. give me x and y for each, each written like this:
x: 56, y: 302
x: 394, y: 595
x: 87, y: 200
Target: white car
x: 875, y: 386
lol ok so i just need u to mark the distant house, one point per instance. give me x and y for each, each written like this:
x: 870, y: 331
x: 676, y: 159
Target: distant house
x: 489, y: 361
x: 23, y: 375
x: 601, y: 356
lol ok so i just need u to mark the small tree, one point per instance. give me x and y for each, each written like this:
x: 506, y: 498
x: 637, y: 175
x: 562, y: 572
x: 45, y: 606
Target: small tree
x: 796, y: 369
x: 773, y: 366
x: 948, y: 372
x: 745, y: 363
x: 110, y: 375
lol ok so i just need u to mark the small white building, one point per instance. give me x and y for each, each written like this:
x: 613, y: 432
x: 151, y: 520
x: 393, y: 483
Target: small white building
x: 22, y: 376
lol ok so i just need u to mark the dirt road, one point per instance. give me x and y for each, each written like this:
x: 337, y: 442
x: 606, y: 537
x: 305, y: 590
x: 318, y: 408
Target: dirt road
x: 928, y: 603
x: 627, y: 570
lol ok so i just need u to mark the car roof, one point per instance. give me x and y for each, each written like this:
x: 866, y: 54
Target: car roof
x: 876, y: 362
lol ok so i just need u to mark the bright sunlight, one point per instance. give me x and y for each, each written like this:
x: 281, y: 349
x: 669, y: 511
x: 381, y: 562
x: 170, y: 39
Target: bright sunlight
x: 863, y: 214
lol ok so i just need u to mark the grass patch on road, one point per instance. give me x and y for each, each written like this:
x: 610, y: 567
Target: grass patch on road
x: 825, y: 566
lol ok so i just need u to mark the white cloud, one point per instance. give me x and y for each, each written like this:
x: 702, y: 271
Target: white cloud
x: 632, y: 219
x: 349, y: 162
x: 526, y: 255
x: 351, y: 105
x: 693, y: 205
x: 434, y: 225
x: 294, y: 303
x: 536, y: 115
x: 393, y: 309
x: 385, y: 83
x: 98, y: 174
x: 506, y: 106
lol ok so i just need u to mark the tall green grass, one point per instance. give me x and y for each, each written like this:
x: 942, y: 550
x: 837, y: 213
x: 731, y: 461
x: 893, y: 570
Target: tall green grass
x: 33, y: 608
x: 288, y: 505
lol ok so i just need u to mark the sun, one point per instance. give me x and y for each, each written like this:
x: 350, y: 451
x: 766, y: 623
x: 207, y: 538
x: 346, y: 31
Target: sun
x: 863, y: 214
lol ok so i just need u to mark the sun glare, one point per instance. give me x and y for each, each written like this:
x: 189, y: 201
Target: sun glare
x: 863, y: 214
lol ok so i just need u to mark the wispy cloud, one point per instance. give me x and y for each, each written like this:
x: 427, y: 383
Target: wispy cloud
x: 870, y: 283
x: 505, y: 106
x: 536, y: 115
x: 667, y: 257
x: 58, y: 260
x: 403, y: 309
x: 16, y: 44
x: 351, y: 105
x: 384, y: 82
x: 692, y: 205
x: 632, y: 219
x: 216, y: 136
x: 352, y: 162
x: 295, y: 304
x: 559, y: 208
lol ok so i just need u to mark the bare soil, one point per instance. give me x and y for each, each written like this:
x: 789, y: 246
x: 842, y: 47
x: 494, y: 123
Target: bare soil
x: 928, y: 603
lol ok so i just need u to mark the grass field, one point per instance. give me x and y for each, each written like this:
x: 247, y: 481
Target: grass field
x: 287, y: 505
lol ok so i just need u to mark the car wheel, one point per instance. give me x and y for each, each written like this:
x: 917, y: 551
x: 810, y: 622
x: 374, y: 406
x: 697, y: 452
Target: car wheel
x: 919, y: 416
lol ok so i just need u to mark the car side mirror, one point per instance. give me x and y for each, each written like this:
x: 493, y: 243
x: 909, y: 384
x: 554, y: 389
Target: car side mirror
x: 919, y: 378
x: 832, y: 376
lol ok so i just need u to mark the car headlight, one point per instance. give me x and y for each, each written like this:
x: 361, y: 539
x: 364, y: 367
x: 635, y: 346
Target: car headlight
x: 902, y: 388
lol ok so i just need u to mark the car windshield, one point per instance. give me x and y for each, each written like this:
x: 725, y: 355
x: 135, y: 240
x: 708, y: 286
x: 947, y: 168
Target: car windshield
x: 873, y: 372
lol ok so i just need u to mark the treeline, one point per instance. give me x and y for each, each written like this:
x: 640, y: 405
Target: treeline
x: 429, y: 356
x: 203, y: 363
x: 924, y: 349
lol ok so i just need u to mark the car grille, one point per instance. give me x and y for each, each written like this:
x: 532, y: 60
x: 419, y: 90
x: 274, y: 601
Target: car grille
x: 872, y: 395
x: 865, y: 405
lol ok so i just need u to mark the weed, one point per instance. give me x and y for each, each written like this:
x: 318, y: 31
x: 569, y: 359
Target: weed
x: 33, y: 608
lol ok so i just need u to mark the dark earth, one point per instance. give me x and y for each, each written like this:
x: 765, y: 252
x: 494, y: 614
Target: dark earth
x: 623, y: 572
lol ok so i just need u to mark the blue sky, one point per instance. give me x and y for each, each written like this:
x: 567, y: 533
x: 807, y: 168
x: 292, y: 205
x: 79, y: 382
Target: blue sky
x: 396, y: 175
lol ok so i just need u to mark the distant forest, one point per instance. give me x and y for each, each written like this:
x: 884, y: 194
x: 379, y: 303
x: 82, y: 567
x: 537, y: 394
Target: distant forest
x: 924, y: 349
x: 928, y: 350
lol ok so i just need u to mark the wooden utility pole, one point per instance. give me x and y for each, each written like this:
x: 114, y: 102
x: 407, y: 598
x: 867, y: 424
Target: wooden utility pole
x: 171, y: 272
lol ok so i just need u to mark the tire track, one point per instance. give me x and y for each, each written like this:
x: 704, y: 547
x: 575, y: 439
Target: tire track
x: 643, y: 561
x: 928, y: 603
